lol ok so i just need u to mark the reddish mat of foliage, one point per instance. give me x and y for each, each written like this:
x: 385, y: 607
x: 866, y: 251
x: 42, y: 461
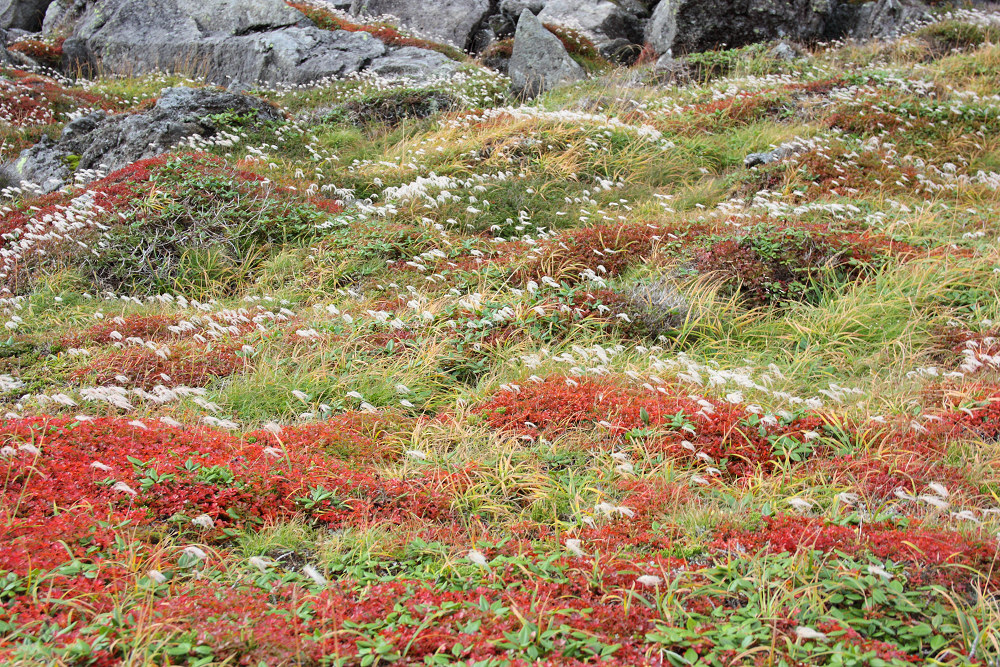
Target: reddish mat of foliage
x: 172, y: 471
x: 44, y: 53
x: 713, y: 428
x: 878, y: 479
x: 186, y: 365
x: 359, y: 437
x: 614, y: 247
x: 785, y: 533
x: 774, y: 262
x: 32, y: 99
x: 146, y: 327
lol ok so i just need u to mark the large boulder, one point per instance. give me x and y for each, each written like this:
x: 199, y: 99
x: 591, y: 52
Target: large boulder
x: 23, y: 14
x: 453, y: 21
x: 687, y: 26
x: 600, y: 20
x: 879, y: 19
x: 513, y: 8
x: 229, y: 42
x: 539, y: 61
x: 104, y: 142
x: 409, y: 62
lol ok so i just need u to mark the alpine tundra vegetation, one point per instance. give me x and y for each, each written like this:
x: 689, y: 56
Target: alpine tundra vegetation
x: 509, y: 333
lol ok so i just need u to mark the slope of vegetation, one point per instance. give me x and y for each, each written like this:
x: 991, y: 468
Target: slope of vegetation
x: 424, y: 376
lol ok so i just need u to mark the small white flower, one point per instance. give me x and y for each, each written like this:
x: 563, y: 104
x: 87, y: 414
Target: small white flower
x: 124, y: 488
x: 416, y: 454
x: 261, y: 563
x: 301, y: 395
x: 573, y: 546
x: 478, y: 558
x: 194, y: 552
x: 803, y: 632
x: 100, y: 466
x: 938, y: 489
x: 650, y: 580
x: 880, y: 571
x: 203, y: 521
x: 314, y: 574
x: 156, y: 576
x: 935, y: 502
x: 800, y: 504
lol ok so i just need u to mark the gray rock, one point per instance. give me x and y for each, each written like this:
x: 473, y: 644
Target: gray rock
x: 600, y: 20
x: 43, y: 165
x: 482, y: 40
x: 415, y: 64
x: 501, y: 25
x: 776, y: 155
x: 513, y: 8
x: 453, y: 21
x: 539, y: 61
x: 783, y: 51
x: 229, y: 42
x: 62, y: 15
x: 23, y: 14
x: 882, y: 18
x: 668, y: 69
x: 621, y: 51
x: 5, y: 58
x: 686, y: 26
x: 109, y: 143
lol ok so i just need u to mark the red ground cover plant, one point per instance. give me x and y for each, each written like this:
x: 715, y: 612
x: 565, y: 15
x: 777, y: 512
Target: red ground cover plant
x: 774, y: 263
x: 32, y: 99
x: 44, y: 53
x: 615, y: 247
x: 169, y: 471
x: 186, y: 364
x: 732, y: 438
x: 921, y: 547
x: 146, y: 327
x: 878, y: 478
x: 358, y: 437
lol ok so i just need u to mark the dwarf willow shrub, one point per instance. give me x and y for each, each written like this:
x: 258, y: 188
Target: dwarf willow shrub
x: 208, y: 225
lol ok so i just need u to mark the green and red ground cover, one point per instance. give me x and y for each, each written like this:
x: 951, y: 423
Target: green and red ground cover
x: 559, y: 384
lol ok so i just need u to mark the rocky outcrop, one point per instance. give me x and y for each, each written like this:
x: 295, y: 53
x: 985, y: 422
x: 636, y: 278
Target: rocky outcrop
x: 600, y: 20
x: 453, y: 21
x: 108, y: 143
x: 879, y: 19
x: 687, y: 26
x: 419, y: 65
x: 23, y: 14
x: 513, y: 8
x: 229, y: 42
x: 539, y: 61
